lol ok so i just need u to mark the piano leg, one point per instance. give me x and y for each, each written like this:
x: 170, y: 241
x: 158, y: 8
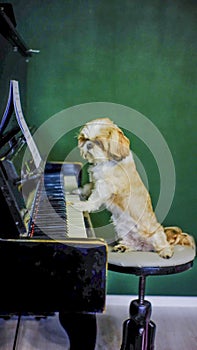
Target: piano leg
x: 81, y: 329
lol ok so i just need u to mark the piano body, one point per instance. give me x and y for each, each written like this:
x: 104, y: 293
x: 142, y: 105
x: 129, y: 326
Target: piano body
x: 50, y: 259
x: 49, y: 256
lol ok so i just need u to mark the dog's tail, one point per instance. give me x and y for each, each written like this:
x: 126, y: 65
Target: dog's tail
x: 176, y: 236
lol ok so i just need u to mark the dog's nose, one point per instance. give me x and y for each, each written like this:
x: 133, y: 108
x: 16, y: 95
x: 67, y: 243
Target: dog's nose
x: 89, y: 146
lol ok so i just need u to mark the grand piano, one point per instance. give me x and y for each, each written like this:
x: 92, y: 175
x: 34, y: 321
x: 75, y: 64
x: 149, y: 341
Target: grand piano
x: 50, y: 259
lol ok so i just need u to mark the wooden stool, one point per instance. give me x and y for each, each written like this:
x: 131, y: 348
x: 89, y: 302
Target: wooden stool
x: 139, y: 330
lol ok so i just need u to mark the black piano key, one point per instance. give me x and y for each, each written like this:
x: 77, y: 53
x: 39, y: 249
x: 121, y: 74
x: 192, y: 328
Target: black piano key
x: 49, y: 212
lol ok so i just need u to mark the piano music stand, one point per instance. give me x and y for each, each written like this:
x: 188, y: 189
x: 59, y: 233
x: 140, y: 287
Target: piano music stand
x: 139, y: 330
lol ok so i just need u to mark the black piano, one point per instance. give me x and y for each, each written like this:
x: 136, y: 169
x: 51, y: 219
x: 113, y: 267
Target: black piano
x: 50, y: 259
x: 49, y: 256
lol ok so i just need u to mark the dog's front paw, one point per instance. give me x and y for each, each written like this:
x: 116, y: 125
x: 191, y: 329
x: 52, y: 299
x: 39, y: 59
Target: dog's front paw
x: 166, y: 252
x: 80, y: 206
x: 120, y: 248
x: 77, y: 191
x: 83, y: 206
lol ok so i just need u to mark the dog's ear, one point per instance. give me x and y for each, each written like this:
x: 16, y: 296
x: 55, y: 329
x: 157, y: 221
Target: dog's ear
x: 119, y: 145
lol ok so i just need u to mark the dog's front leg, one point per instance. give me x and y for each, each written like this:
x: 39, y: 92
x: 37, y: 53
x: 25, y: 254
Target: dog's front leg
x: 93, y: 203
x: 84, y: 191
x: 98, y: 197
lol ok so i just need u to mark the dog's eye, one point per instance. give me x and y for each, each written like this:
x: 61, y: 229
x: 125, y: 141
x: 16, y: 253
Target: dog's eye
x: 97, y: 143
x: 85, y: 139
x: 82, y: 139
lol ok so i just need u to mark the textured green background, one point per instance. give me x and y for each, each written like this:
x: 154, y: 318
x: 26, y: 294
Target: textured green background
x: 141, y: 54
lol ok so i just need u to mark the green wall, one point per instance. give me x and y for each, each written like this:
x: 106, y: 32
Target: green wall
x: 141, y: 54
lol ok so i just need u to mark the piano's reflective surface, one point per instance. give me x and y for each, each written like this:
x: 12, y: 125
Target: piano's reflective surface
x: 50, y: 258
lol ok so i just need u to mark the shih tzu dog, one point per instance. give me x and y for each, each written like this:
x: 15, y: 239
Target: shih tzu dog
x: 118, y: 186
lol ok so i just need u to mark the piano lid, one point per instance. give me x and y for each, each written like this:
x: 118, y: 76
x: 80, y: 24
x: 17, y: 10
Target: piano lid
x: 7, y: 8
x: 10, y: 126
x: 8, y: 30
x: 20, y: 165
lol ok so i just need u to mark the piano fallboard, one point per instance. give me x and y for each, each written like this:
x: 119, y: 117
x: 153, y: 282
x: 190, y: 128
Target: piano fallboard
x: 47, y: 276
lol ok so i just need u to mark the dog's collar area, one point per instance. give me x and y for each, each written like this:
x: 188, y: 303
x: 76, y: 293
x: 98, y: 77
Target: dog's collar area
x: 106, y: 162
x: 109, y: 161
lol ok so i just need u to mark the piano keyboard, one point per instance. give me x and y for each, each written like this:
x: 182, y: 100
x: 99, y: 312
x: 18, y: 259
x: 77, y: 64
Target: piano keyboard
x: 75, y: 219
x: 52, y: 213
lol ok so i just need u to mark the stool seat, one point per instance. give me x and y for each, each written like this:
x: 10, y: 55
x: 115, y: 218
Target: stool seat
x: 150, y: 263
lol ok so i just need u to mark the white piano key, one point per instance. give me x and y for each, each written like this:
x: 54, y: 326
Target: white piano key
x: 75, y: 219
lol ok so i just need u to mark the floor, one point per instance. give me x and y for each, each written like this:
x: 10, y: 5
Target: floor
x: 176, y: 329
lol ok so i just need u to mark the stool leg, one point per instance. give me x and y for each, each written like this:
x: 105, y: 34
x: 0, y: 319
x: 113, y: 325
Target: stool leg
x: 127, y: 327
x: 151, y: 335
x: 138, y: 330
x: 133, y: 335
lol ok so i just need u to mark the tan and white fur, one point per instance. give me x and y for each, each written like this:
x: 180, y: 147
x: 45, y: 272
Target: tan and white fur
x: 118, y: 186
